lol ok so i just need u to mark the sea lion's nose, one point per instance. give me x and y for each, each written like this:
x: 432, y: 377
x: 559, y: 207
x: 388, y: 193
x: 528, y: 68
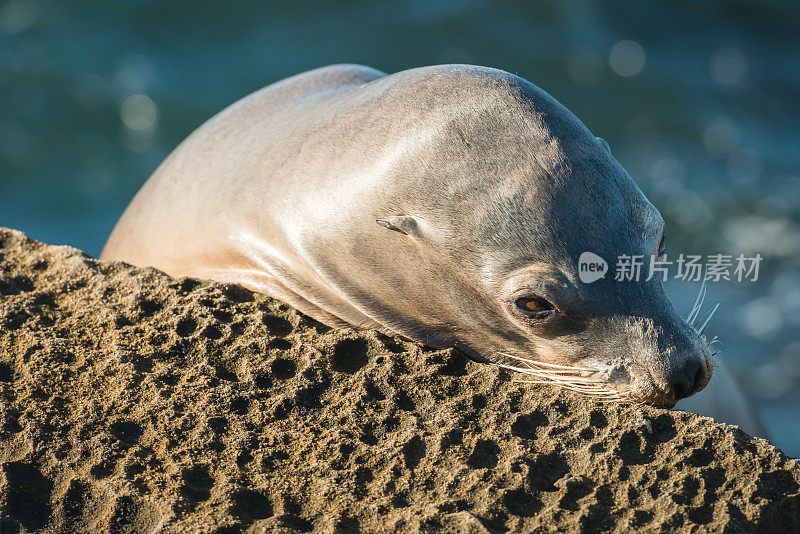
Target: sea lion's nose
x: 685, y: 380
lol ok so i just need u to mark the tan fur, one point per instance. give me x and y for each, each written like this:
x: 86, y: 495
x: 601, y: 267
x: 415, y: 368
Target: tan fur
x: 492, y: 186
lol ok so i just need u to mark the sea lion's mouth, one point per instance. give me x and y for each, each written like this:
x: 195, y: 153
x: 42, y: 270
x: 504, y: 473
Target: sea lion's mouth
x: 613, y: 383
x: 600, y: 384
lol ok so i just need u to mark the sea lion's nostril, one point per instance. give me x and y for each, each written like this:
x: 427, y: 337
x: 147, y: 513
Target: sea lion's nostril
x: 698, y: 377
x: 684, y: 384
x: 680, y: 389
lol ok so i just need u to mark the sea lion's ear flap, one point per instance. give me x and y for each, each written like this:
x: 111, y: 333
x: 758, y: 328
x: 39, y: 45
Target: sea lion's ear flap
x: 405, y: 224
x: 602, y: 142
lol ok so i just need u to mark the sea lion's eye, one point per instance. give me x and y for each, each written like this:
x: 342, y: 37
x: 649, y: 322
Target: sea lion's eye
x: 535, y: 307
x: 662, y: 245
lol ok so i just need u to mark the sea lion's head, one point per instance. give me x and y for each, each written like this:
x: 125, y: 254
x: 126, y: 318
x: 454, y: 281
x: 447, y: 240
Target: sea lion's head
x: 484, y: 223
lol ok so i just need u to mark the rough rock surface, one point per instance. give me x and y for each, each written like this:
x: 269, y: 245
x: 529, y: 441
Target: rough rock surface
x: 133, y: 402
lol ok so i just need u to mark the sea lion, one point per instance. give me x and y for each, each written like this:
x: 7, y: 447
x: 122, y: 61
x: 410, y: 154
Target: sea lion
x: 447, y: 204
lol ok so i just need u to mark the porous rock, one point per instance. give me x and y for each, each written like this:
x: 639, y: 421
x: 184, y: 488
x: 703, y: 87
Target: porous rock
x: 135, y: 402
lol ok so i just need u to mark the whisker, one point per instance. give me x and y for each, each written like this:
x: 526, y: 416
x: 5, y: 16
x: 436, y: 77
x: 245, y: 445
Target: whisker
x: 698, y: 303
x: 592, y: 392
x: 584, y: 391
x: 567, y: 380
x: 544, y: 364
x: 565, y: 386
x: 583, y: 386
x: 566, y: 377
x: 526, y: 369
x: 555, y: 377
x: 708, y: 317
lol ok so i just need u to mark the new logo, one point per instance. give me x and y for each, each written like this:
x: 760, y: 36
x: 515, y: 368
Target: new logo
x: 591, y: 267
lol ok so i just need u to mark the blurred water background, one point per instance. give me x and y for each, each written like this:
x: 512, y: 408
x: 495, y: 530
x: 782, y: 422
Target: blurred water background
x: 699, y: 100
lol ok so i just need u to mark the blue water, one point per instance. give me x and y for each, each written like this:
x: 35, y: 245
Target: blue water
x: 700, y: 102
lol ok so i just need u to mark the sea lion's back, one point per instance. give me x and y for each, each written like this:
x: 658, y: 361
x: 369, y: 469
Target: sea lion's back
x: 186, y: 196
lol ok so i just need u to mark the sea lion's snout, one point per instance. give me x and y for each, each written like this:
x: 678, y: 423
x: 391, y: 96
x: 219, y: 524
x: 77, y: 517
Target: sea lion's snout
x: 675, y: 362
x: 689, y: 379
x: 682, y: 381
